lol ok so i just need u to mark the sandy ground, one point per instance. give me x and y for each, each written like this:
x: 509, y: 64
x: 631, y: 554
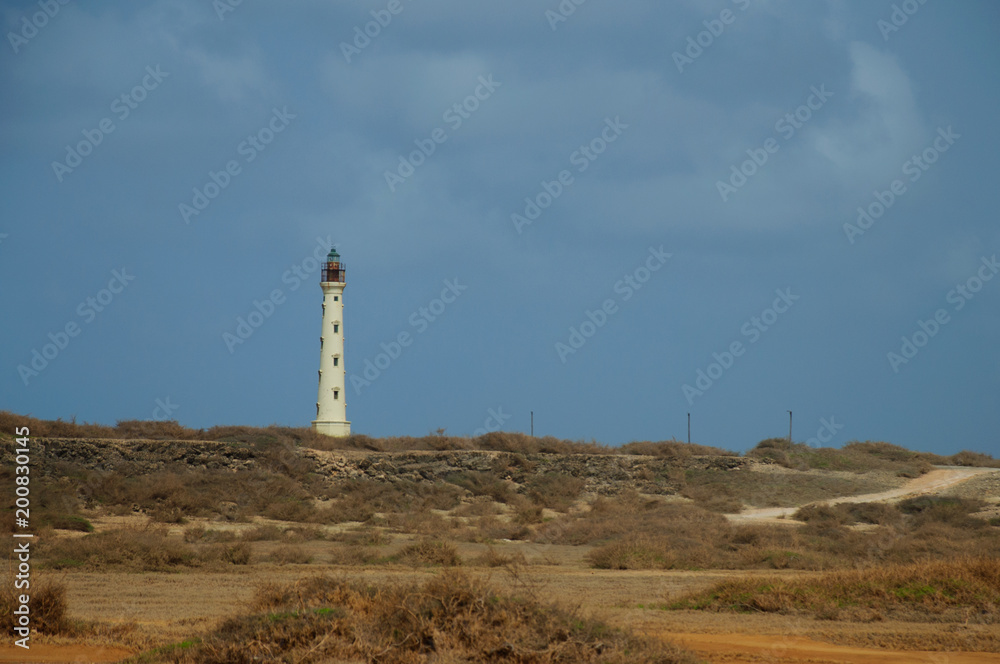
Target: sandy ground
x: 936, y: 481
x: 176, y: 606
x: 770, y: 648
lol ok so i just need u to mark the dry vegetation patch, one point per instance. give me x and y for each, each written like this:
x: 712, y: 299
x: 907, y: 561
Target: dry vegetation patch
x: 961, y: 590
x: 450, y: 618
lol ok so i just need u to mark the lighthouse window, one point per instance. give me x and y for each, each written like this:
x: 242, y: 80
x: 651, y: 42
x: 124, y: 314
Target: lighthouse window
x: 336, y: 328
x: 336, y: 394
x: 336, y: 361
x: 336, y: 298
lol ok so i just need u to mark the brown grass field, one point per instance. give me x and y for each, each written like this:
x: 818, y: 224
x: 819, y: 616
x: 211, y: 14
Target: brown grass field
x: 157, y: 544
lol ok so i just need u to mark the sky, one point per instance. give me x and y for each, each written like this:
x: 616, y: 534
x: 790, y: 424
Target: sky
x: 610, y: 215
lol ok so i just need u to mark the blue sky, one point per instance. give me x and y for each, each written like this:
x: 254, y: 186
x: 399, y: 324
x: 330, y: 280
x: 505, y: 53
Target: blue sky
x: 645, y: 209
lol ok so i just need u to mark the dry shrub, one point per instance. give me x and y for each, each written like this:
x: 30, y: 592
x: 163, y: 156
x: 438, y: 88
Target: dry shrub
x: 450, y: 618
x: 479, y: 506
x: 194, y: 533
x: 714, y: 500
x: 630, y: 514
x: 237, y: 554
x: 944, y: 509
x: 961, y: 590
x: 494, y: 558
x: 672, y: 449
x: 429, y: 552
x: 290, y: 555
x: 851, y: 513
x: 483, y: 484
x: 291, y: 509
x: 359, y: 500
x: 143, y: 548
x: 47, y: 606
x: 556, y: 491
x: 297, y: 534
x: 426, y: 524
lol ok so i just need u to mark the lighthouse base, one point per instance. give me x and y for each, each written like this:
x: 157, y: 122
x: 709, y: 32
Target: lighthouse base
x: 337, y: 429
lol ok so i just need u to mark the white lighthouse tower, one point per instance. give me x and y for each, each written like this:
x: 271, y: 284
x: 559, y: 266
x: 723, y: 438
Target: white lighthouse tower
x: 331, y: 409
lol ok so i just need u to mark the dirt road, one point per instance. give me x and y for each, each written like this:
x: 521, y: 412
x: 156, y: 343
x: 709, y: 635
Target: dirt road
x: 942, y: 477
x: 798, y: 649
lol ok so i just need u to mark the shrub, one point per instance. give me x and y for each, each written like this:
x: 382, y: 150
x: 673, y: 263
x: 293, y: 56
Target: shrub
x: 287, y: 554
x: 556, y: 491
x: 940, y: 591
x: 429, y: 552
x: 70, y: 522
x: 194, y: 533
x: 494, y: 558
x: 944, y: 509
x: 48, y: 605
x: 237, y: 554
x: 449, y: 618
x: 144, y: 548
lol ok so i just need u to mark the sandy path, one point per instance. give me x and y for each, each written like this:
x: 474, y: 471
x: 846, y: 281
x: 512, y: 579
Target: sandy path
x: 754, y: 648
x: 935, y: 481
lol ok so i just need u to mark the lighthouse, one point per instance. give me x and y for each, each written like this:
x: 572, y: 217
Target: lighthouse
x: 331, y: 409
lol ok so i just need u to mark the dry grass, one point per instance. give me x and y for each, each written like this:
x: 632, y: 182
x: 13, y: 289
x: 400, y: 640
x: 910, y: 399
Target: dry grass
x: 449, y: 619
x: 142, y: 548
x: 962, y: 590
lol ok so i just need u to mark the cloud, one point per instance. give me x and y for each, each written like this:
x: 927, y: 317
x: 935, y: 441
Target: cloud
x: 887, y: 126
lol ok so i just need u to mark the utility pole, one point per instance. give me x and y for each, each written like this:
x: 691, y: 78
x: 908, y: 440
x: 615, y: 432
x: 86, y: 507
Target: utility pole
x: 789, y: 427
x: 689, y: 428
x: 532, y: 424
